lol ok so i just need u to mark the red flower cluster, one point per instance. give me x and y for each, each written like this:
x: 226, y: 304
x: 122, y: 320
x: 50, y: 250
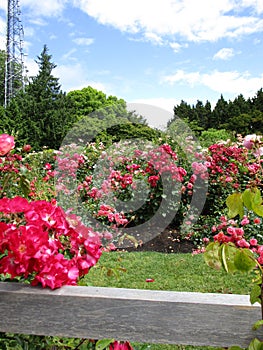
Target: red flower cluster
x: 116, y: 345
x: 228, y: 231
x: 39, y: 242
x: 225, y: 159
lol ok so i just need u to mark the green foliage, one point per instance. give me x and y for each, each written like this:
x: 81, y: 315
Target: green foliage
x: 254, y: 345
x: 241, y: 115
x: 129, y: 130
x: 235, y: 205
x: 88, y: 100
x: 41, y: 114
x: 9, y: 341
x: 212, y: 136
x: 228, y: 256
x: 103, y: 344
x: 250, y: 199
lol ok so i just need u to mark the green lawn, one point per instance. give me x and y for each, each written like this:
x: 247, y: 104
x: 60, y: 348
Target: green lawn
x: 176, y: 272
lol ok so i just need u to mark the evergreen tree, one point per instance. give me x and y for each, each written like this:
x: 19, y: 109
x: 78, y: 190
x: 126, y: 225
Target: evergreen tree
x: 208, y: 114
x: 183, y: 111
x: 41, y: 113
x: 257, y: 102
x: 219, y: 115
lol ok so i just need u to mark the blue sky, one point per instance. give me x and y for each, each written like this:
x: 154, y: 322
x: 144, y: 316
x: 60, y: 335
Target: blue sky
x: 157, y: 52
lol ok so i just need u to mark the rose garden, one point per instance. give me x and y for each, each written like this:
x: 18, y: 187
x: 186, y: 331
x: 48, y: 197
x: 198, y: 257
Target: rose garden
x: 60, y: 214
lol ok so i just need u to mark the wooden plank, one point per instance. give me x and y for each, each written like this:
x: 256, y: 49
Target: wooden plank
x: 128, y: 314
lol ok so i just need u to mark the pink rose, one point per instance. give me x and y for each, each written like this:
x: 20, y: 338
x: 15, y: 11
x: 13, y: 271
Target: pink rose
x: 6, y: 144
x: 245, y: 221
x: 26, y: 148
x: 242, y: 243
x: 253, y: 241
x: 250, y: 140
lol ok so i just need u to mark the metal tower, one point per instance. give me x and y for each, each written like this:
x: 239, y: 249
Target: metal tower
x: 14, y: 69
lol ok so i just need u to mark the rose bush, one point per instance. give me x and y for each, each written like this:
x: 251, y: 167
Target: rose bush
x: 38, y: 240
x: 40, y: 243
x: 233, y: 247
x: 125, y: 185
x: 231, y: 167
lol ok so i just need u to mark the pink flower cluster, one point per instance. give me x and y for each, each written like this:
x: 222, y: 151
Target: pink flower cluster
x: 7, y: 143
x: 229, y: 231
x: 229, y: 164
x: 254, y: 142
x: 43, y: 244
x: 117, y: 345
x: 112, y: 215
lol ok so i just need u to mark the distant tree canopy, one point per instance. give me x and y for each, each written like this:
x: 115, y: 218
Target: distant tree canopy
x: 243, y: 116
x: 42, y: 115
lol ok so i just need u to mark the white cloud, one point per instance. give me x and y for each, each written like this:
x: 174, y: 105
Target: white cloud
x: 182, y: 77
x: 154, y: 38
x: 3, y: 5
x: 232, y: 82
x: 176, y: 46
x: 83, y: 41
x: 68, y: 55
x: 31, y: 67
x: 224, y: 54
x: 75, y: 77
x: 2, y: 34
x: 47, y: 8
x: 190, y: 20
x: 38, y: 21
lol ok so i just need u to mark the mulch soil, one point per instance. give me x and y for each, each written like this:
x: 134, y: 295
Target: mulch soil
x: 166, y: 242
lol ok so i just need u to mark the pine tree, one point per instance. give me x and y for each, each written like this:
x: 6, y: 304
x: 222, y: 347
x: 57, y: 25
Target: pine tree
x: 42, y: 112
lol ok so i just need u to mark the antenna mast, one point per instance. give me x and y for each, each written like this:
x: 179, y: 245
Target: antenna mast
x: 14, y: 67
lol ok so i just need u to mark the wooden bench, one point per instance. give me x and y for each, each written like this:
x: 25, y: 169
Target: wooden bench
x: 144, y: 316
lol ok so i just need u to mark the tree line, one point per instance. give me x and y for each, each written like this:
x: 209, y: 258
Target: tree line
x: 42, y: 114
x: 241, y: 116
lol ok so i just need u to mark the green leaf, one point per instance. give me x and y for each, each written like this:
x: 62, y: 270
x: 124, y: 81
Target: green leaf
x: 258, y: 210
x: 257, y: 325
x: 211, y: 255
x: 255, y: 294
x: 247, y: 198
x: 227, y: 252
x: 256, y: 198
x: 24, y: 185
x: 103, y: 343
x: 235, y: 348
x: 235, y: 206
x: 244, y: 260
x: 255, y: 345
x: 253, y: 201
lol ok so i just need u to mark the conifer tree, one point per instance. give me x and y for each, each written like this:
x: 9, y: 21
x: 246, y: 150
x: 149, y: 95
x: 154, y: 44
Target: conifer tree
x: 41, y: 114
